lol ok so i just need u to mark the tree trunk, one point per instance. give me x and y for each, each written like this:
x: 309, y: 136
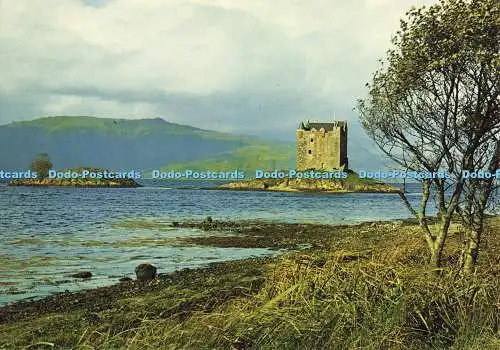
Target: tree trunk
x: 471, y: 251
x: 435, y: 259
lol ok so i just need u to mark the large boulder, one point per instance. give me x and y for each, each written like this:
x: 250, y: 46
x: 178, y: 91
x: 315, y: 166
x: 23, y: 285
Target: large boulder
x: 145, y: 272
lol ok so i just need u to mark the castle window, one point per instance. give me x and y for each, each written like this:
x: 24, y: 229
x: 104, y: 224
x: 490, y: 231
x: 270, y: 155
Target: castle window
x: 309, y: 151
x: 312, y: 140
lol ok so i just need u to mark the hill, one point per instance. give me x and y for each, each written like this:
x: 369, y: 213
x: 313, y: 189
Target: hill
x: 124, y: 144
x: 247, y: 158
x: 144, y: 144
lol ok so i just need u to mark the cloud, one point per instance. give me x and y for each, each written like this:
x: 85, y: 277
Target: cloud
x: 229, y: 65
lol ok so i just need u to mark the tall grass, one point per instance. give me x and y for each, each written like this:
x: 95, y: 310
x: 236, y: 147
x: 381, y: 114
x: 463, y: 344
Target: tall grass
x: 370, y: 299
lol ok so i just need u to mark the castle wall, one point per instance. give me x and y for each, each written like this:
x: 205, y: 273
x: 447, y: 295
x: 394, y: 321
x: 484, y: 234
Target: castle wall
x: 343, y: 160
x: 319, y: 149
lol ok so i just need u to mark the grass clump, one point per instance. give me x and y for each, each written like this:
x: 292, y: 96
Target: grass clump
x: 358, y: 304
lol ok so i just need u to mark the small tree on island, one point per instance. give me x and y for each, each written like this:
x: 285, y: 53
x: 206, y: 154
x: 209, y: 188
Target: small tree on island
x: 42, y: 165
x: 434, y: 105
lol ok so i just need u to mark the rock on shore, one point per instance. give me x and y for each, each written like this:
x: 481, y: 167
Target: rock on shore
x: 145, y: 272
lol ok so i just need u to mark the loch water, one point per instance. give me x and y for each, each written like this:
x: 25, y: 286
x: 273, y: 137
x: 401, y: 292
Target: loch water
x: 47, y: 234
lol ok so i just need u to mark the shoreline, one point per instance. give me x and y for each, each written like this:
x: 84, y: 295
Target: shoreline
x: 245, y: 234
x: 253, y: 185
x: 298, y: 191
x: 348, y: 185
x: 77, y: 183
x: 242, y: 303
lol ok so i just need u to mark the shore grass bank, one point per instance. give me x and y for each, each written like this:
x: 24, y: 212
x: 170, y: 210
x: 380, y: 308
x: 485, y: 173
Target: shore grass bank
x: 82, y: 177
x: 98, y: 183
x: 361, y: 286
x: 352, y: 183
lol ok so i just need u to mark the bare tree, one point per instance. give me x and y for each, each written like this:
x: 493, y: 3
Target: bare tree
x: 433, y: 106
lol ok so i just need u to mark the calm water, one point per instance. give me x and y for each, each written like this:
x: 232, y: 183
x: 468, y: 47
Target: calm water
x: 48, y: 233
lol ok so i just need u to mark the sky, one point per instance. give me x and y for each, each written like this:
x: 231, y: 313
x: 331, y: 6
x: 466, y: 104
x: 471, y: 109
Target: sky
x: 254, y: 67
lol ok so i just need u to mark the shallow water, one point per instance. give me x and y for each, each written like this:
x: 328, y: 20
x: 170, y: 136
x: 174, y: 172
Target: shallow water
x: 48, y: 233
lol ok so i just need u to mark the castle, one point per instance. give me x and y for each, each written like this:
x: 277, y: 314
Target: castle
x: 322, y: 145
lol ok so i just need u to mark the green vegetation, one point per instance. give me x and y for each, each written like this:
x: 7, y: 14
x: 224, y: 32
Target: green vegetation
x: 353, y: 183
x: 127, y: 144
x: 248, y: 158
x: 108, y: 126
x: 365, y: 286
x: 123, y: 127
x: 79, y: 181
x: 9, y: 264
x: 41, y: 165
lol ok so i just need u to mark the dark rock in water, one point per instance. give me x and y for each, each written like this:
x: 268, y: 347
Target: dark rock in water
x: 83, y: 274
x: 145, y: 272
x: 125, y: 279
x: 208, y: 219
x: 175, y: 224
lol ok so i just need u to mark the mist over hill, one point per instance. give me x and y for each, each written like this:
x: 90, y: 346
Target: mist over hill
x: 145, y: 144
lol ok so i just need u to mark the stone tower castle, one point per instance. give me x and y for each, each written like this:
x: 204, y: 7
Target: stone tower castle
x: 322, y: 146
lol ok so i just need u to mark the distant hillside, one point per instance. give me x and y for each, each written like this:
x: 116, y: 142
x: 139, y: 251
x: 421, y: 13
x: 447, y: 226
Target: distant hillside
x: 151, y: 144
x: 248, y: 158
x: 123, y: 143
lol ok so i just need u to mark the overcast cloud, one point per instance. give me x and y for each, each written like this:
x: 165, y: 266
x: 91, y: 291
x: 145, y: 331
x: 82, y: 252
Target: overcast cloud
x: 230, y: 65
